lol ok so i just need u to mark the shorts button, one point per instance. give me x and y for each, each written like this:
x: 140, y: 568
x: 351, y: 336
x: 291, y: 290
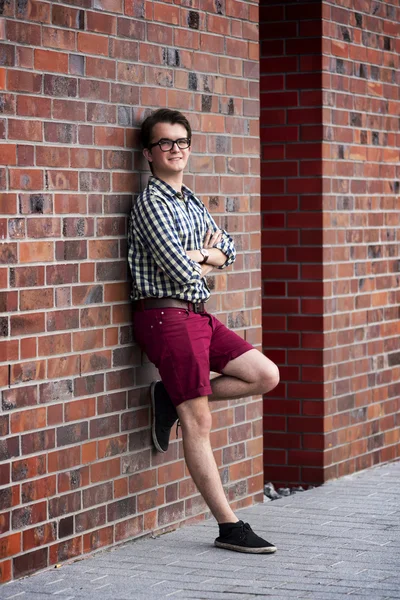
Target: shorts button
x: 162, y: 312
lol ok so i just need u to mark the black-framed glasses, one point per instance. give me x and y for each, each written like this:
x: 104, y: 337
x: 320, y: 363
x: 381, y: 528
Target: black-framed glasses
x: 166, y: 145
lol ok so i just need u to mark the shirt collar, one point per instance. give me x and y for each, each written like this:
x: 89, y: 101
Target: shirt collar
x: 167, y: 190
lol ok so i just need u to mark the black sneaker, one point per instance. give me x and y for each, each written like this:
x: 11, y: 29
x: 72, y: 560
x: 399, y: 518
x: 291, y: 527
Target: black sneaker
x: 241, y: 538
x: 164, y: 415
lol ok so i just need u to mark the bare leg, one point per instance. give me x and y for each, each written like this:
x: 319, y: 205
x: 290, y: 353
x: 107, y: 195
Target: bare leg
x: 195, y: 420
x: 250, y: 374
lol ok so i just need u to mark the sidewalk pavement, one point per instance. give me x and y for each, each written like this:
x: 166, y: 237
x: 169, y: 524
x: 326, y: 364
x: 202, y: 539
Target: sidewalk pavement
x: 336, y: 541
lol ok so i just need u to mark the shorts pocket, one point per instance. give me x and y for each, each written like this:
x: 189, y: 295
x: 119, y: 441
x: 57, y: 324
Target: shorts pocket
x: 172, y: 315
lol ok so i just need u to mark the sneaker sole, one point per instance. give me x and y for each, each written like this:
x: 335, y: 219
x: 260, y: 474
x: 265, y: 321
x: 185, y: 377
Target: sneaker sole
x: 153, y: 424
x: 269, y: 550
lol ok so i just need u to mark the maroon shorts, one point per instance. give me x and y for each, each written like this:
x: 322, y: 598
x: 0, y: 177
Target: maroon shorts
x: 185, y: 347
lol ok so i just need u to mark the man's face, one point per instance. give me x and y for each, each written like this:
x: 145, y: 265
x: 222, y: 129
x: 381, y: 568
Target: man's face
x: 173, y: 161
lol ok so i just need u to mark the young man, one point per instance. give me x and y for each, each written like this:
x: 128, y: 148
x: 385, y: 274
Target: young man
x: 173, y: 244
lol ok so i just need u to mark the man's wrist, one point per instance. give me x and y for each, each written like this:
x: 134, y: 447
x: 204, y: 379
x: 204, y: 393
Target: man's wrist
x: 205, y: 255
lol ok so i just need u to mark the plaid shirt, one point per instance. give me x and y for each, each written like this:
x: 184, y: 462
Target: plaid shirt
x: 162, y: 228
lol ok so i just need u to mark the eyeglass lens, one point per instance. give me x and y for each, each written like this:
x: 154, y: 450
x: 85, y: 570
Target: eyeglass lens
x: 166, y: 145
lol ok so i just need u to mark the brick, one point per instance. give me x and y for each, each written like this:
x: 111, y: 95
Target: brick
x: 27, y: 324
x: 104, y: 426
x: 96, y: 67
x: 90, y: 339
x: 25, y: 155
x: 28, y: 468
x: 218, y: 24
x: 121, y: 508
x: 63, y: 366
x: 9, y: 155
x: 90, y: 519
x: 65, y: 504
x: 70, y: 110
x: 65, y: 527
x: 74, y: 479
x: 63, y: 133
x: 207, y: 63
x: 121, y: 487
x: 23, y: 81
x: 92, y: 44
x: 105, y: 470
x: 97, y: 494
x: 29, y: 419
x: 38, y: 442
x: 8, y: 204
x: 25, y: 130
x: 98, y: 22
x: 4, y: 522
x: 129, y: 528
x: 58, y: 38
x: 131, y: 28
x: 35, y: 204
x: 31, y: 561
x: 19, y: 397
x: 166, y: 14
x: 159, y: 34
x: 36, y: 299
x: 63, y: 459
x: 65, y: 550
x: 56, y: 85
x: 9, y: 303
x: 54, y: 414
x: 36, y: 252
x: 9, y: 448
x: 39, y: 536
x: 26, y: 179
x: 47, y: 60
x: 113, y: 446
x: 63, y: 16
x: 72, y: 434
x: 171, y: 513
x: 98, y: 539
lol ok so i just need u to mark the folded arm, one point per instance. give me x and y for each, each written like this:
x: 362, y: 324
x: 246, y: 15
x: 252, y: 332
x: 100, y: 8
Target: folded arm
x: 155, y: 227
x: 219, y: 244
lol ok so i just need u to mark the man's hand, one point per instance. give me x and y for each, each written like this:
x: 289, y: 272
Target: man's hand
x: 217, y: 258
x: 206, y: 269
x: 212, y: 239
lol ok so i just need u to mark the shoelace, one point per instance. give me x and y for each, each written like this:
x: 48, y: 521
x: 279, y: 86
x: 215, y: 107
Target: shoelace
x: 245, y: 529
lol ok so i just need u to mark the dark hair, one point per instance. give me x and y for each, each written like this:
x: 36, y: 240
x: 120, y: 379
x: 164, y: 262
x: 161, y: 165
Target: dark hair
x: 162, y: 115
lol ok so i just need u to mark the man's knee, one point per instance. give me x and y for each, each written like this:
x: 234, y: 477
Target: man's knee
x: 195, y: 416
x: 268, y: 377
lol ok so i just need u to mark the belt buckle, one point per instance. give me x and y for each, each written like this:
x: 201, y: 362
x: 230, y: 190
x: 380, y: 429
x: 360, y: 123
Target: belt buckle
x: 198, y: 307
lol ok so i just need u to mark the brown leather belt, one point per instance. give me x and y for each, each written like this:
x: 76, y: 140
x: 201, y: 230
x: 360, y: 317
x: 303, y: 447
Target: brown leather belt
x: 148, y: 303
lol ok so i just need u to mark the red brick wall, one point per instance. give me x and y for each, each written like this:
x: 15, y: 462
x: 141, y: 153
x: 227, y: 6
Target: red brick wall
x: 330, y: 245
x: 78, y: 472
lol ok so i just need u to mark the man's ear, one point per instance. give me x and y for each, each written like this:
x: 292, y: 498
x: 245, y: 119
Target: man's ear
x: 147, y: 154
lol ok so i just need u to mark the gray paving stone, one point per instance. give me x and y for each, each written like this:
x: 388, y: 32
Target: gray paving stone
x: 335, y: 542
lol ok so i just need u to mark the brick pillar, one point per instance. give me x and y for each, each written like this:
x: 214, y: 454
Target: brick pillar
x: 362, y: 224
x: 329, y: 131
x: 78, y: 471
